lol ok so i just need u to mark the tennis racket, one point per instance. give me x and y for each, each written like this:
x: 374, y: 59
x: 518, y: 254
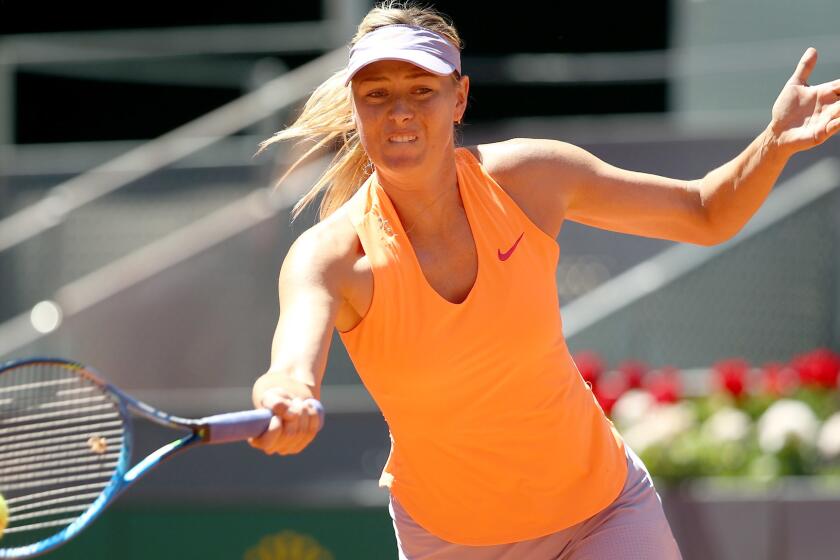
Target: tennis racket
x: 65, y: 448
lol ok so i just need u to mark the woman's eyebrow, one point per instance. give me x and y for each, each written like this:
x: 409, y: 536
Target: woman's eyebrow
x: 382, y: 78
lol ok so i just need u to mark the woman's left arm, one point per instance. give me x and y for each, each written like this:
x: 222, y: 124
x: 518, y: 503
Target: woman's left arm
x: 803, y: 116
x: 566, y: 182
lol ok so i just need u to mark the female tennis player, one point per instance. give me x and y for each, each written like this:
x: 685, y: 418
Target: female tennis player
x: 436, y: 264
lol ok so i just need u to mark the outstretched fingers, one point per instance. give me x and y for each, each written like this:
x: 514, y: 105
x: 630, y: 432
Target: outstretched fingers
x: 834, y: 88
x: 833, y: 124
x: 829, y: 92
x: 832, y: 127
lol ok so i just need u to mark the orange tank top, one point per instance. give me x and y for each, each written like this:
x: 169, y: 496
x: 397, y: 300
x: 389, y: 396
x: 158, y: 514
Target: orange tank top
x: 495, y: 436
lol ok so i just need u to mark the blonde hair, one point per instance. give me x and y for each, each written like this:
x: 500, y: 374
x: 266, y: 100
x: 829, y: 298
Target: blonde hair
x: 327, y: 116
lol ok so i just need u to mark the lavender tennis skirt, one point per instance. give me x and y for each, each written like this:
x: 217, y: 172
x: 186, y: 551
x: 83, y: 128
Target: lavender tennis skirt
x: 633, y: 527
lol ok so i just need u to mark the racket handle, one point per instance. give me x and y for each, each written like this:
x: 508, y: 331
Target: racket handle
x: 239, y: 426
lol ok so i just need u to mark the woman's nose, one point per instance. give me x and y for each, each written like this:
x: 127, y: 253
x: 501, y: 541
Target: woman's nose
x: 401, y: 110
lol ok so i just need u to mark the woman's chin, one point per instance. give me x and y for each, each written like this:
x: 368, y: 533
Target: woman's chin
x: 403, y: 159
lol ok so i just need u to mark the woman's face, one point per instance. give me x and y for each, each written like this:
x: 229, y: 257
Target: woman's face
x: 405, y: 114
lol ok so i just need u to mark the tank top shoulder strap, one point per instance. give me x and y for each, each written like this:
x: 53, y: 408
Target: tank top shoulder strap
x: 365, y: 213
x: 485, y: 186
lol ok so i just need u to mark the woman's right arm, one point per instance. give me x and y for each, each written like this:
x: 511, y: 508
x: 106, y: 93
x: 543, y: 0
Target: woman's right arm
x: 310, y: 295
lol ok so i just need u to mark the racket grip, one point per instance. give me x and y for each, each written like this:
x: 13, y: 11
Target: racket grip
x: 239, y: 426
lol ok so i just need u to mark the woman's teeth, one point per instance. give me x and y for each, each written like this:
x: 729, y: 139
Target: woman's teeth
x: 403, y: 138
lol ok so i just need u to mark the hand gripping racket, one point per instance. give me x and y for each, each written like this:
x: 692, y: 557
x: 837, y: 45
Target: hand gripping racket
x: 65, y: 447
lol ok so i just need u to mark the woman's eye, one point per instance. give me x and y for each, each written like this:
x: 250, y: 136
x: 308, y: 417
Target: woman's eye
x: 380, y: 93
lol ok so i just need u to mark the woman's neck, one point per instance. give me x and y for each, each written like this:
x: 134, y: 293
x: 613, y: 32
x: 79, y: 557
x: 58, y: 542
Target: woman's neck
x: 426, y: 201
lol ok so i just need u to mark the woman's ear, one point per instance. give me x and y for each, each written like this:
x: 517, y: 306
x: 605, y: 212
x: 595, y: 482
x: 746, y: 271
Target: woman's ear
x: 462, y: 90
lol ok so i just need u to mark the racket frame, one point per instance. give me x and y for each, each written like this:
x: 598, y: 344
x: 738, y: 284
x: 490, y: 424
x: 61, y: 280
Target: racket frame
x: 222, y: 428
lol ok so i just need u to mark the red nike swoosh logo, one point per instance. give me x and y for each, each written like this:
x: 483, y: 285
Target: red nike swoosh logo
x: 504, y: 256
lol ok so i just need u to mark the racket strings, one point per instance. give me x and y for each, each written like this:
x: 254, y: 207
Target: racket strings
x: 25, y: 442
x: 61, y: 440
x: 26, y: 422
x: 25, y: 433
x: 18, y: 461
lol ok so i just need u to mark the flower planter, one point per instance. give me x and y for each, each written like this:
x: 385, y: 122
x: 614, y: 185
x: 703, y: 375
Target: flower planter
x: 725, y: 518
x: 746, y: 459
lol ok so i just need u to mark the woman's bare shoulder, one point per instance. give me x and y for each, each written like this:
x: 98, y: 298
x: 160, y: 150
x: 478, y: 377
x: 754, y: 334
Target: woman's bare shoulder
x: 515, y: 165
x: 496, y: 157
x: 332, y: 243
x: 515, y: 156
x: 337, y: 257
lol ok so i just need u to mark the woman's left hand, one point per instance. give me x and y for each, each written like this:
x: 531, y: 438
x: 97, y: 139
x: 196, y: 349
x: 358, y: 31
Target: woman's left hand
x: 806, y: 116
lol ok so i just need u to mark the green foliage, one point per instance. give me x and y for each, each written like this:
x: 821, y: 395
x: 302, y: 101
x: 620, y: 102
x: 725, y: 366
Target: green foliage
x: 824, y: 402
x: 691, y: 454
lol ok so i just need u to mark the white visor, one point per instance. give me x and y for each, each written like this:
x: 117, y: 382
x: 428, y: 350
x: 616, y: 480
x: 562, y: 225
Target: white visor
x: 408, y: 43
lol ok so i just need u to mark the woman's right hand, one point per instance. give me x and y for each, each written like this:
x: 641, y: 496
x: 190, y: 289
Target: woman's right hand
x: 295, y: 423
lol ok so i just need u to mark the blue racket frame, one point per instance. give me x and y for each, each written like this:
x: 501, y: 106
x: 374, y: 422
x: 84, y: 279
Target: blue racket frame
x: 222, y: 428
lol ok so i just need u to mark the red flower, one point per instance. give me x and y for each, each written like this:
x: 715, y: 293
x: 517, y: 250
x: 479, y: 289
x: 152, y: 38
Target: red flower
x: 610, y: 388
x: 778, y: 379
x: 731, y: 376
x: 820, y: 367
x: 633, y: 371
x: 589, y: 365
x: 664, y: 384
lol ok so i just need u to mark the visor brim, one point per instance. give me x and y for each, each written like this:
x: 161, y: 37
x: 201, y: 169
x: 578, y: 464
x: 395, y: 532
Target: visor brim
x: 424, y: 60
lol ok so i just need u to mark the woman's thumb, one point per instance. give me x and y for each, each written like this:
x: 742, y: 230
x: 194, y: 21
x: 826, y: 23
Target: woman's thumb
x: 276, y: 401
x: 803, y: 69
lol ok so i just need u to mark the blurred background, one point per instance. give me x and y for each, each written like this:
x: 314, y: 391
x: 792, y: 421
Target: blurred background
x: 140, y: 235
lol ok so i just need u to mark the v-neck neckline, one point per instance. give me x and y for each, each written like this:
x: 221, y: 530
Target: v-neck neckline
x: 410, y: 248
